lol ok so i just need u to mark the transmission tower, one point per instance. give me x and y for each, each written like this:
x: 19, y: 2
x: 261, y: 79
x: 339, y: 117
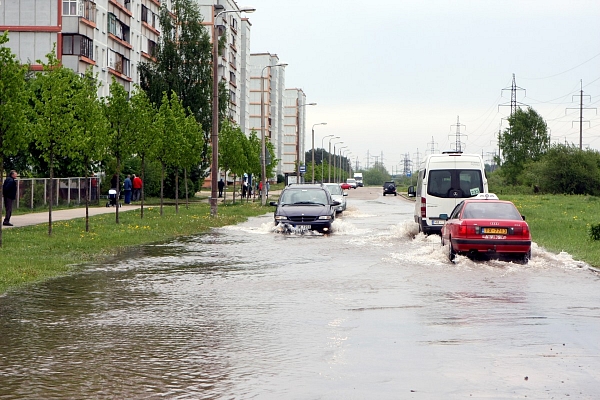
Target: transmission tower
x: 458, y: 145
x: 513, y: 96
x: 432, y: 149
x: 581, y: 108
x: 406, y: 164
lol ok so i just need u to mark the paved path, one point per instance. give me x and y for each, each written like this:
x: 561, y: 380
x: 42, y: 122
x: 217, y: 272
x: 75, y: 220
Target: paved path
x: 61, y: 215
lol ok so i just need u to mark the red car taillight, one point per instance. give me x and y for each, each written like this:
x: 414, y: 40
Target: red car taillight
x: 423, y: 207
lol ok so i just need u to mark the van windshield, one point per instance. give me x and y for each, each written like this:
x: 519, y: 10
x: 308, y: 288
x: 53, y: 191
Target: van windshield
x: 454, y: 183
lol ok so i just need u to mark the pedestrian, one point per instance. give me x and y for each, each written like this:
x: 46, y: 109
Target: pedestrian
x: 137, y: 188
x: 221, y: 186
x: 260, y: 187
x: 127, y: 186
x: 9, y: 191
x: 244, y: 189
x: 268, y: 187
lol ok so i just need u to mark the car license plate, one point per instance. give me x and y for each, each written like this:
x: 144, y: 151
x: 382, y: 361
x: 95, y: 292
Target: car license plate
x: 497, y: 231
x: 437, y: 222
x: 302, y: 228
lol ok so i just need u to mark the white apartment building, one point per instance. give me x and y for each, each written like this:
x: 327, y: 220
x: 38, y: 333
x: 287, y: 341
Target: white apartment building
x: 112, y: 36
x: 234, y: 58
x: 272, y: 94
x: 294, y: 129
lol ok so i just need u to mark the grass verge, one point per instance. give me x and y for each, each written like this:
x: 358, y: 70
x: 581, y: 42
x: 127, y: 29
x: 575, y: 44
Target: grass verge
x: 29, y: 255
x: 562, y: 223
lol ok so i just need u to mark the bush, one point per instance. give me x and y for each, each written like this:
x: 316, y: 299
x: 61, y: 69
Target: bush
x: 595, y: 232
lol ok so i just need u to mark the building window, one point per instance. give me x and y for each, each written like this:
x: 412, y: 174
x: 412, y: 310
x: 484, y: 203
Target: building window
x: 70, y: 7
x: 232, y: 96
x: 232, y: 77
x: 118, y: 28
x: 78, y: 45
x: 118, y: 62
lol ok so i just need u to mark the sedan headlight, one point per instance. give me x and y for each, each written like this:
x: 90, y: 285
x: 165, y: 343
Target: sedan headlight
x: 325, y: 217
x: 280, y: 218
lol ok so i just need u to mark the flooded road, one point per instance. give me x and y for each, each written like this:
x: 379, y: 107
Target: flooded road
x: 372, y: 311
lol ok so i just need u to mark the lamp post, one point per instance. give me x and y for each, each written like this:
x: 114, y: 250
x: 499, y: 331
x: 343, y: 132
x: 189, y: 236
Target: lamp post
x: 345, y: 155
x: 329, y: 173
x: 313, y: 149
x: 339, y: 166
x: 298, y: 140
x: 214, y: 168
x: 329, y: 163
x: 263, y: 151
x: 322, y: 164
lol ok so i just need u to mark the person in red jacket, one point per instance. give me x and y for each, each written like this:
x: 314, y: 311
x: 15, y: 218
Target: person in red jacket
x: 137, y: 188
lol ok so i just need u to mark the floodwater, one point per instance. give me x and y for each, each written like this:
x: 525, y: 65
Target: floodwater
x: 372, y: 311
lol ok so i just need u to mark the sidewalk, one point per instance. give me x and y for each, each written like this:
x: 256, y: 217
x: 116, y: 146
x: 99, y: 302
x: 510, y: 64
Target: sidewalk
x: 61, y: 215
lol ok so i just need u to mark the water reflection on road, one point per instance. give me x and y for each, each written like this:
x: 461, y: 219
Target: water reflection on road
x: 370, y: 311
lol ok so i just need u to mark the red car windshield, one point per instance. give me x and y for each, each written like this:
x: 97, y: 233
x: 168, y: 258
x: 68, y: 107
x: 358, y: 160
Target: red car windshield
x: 491, y: 210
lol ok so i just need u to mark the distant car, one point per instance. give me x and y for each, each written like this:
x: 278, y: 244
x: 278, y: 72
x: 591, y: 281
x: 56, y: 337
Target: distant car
x: 389, y: 188
x: 306, y: 207
x: 337, y: 194
x: 489, y: 227
x: 345, y: 186
x: 351, y: 182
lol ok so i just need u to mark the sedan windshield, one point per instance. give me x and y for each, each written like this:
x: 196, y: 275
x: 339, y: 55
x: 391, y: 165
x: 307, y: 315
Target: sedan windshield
x: 304, y: 196
x: 335, y: 189
x: 491, y: 210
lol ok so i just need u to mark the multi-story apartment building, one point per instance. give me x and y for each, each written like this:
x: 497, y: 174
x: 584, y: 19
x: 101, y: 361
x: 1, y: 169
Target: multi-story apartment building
x: 234, y: 57
x: 112, y: 36
x: 273, y: 78
x: 294, y: 130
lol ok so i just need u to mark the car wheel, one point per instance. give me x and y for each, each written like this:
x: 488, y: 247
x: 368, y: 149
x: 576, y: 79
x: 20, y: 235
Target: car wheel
x: 395, y: 194
x: 525, y: 258
x: 451, y: 252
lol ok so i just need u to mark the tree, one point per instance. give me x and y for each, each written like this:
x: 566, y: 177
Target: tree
x: 145, y: 128
x: 525, y: 140
x: 87, y: 144
x: 12, y: 107
x: 118, y: 112
x: 191, y: 151
x: 53, y: 103
x: 184, y: 66
x: 568, y: 170
x: 231, y: 151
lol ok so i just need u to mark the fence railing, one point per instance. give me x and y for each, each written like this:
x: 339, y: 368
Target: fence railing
x: 35, y: 192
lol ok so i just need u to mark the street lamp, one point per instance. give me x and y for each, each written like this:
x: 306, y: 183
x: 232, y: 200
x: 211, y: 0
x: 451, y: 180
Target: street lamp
x: 214, y: 169
x: 298, y: 140
x: 345, y: 155
x: 313, y: 149
x: 329, y: 163
x: 329, y: 167
x: 322, y: 163
x: 263, y: 152
x: 339, y: 166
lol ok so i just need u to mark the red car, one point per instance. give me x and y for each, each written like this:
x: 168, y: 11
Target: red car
x: 345, y: 186
x: 489, y: 227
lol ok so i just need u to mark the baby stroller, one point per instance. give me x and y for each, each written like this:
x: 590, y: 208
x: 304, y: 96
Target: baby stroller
x: 112, y: 198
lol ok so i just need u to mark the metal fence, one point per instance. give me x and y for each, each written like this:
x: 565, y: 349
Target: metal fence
x: 35, y: 192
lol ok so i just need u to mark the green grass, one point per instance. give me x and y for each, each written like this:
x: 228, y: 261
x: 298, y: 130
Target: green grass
x: 562, y: 223
x: 29, y: 255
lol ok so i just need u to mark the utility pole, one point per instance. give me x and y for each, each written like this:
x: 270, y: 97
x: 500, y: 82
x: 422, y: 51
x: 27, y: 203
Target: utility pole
x: 368, y: 159
x: 457, y: 134
x: 418, y: 159
x: 581, y: 108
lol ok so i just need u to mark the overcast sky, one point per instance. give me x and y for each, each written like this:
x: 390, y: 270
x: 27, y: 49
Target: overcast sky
x: 391, y: 76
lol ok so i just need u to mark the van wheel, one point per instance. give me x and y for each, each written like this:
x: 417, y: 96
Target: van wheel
x: 451, y: 252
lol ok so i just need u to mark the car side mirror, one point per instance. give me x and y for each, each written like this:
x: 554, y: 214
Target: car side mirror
x: 273, y: 203
x: 444, y: 217
x: 522, y: 216
x: 336, y: 203
x: 411, y: 191
x: 345, y: 194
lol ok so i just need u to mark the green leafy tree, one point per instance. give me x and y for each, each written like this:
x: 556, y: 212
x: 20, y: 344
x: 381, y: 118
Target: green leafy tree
x: 172, y: 117
x: 145, y: 128
x: 87, y: 144
x: 270, y: 167
x: 184, y: 66
x: 231, y: 151
x: 193, y: 142
x: 54, y: 124
x: 13, y: 123
x: 118, y: 112
x: 525, y: 140
x: 566, y: 169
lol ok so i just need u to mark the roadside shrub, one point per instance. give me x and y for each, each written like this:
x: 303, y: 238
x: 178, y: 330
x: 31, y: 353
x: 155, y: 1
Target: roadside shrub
x: 595, y: 232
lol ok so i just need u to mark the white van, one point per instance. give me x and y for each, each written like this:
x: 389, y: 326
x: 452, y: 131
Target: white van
x: 444, y: 181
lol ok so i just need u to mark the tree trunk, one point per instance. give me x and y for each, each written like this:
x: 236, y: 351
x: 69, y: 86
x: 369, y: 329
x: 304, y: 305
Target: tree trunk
x: 162, y: 186
x: 1, y: 197
x: 187, y: 203
x: 142, y: 189
x: 176, y: 190
x: 234, y: 179
x: 118, y: 190
x: 51, y: 193
x: 87, y: 199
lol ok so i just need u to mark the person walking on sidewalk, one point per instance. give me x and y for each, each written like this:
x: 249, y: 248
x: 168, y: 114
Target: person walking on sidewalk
x: 127, y: 189
x: 137, y: 188
x: 9, y: 191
